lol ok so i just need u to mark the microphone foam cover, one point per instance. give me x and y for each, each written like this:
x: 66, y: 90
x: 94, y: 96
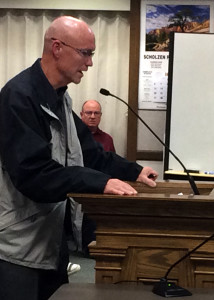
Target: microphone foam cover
x: 104, y: 92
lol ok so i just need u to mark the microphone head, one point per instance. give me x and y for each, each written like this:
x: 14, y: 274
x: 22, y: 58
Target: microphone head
x: 104, y: 92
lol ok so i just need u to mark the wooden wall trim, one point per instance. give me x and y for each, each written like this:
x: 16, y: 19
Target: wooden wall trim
x: 133, y: 78
x: 149, y: 155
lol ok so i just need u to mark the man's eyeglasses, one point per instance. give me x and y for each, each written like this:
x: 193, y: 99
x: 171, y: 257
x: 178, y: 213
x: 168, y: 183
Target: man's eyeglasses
x: 83, y: 52
x: 90, y: 113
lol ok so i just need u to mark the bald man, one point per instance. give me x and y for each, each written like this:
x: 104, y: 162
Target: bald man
x: 46, y: 152
x: 91, y: 115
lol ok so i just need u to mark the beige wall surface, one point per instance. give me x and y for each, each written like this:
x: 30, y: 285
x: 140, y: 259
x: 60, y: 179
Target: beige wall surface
x: 120, y: 5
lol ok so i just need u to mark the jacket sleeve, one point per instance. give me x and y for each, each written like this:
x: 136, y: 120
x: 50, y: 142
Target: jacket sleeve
x: 107, y: 162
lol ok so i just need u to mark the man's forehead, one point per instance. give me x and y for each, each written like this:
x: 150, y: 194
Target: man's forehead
x: 92, y: 105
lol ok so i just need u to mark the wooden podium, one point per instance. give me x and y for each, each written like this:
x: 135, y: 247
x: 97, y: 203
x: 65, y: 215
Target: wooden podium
x: 140, y: 237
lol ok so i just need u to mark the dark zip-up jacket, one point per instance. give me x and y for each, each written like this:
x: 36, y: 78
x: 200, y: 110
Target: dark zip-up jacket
x: 34, y: 177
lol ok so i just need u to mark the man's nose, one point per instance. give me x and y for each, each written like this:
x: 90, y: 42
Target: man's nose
x: 89, y: 61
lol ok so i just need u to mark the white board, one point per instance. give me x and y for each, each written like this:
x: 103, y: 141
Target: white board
x: 191, y: 124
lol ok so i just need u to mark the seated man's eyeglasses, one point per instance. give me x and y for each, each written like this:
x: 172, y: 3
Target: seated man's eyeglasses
x: 90, y: 113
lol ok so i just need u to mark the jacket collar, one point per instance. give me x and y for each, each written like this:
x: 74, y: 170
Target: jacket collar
x: 47, y: 95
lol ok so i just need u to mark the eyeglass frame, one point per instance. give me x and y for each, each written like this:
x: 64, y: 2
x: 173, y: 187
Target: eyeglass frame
x: 90, y: 113
x: 82, y: 52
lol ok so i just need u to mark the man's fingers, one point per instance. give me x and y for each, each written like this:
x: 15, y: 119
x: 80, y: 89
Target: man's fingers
x: 118, y: 187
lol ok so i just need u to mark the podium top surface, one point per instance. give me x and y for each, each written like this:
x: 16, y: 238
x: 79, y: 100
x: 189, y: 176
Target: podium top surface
x: 164, y: 190
x: 167, y: 199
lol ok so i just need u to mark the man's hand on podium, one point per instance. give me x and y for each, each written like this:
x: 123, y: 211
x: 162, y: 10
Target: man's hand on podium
x: 118, y: 187
x: 148, y: 176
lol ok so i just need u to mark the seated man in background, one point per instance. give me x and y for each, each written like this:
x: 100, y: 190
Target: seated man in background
x: 91, y: 115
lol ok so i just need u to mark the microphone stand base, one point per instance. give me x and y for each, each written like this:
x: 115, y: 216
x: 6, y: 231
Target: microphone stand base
x: 169, y: 289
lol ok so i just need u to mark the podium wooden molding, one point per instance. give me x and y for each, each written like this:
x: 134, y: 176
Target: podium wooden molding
x: 139, y: 237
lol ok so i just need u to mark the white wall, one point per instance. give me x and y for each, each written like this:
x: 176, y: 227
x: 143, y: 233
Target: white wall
x: 120, y: 5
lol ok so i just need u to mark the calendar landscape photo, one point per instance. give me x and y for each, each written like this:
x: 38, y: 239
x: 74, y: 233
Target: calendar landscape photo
x: 162, y: 19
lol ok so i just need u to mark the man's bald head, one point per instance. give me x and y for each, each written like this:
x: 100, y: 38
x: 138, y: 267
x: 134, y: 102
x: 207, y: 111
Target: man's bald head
x: 91, y: 103
x: 69, y: 44
x: 67, y: 28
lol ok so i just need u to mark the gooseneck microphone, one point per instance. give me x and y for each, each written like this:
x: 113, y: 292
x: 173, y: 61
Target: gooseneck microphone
x: 190, y: 178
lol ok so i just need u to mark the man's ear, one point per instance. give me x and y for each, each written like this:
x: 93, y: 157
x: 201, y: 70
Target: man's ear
x: 56, y: 48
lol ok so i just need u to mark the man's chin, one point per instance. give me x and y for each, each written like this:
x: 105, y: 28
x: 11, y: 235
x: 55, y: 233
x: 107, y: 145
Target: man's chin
x: 76, y: 82
x: 77, y: 79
